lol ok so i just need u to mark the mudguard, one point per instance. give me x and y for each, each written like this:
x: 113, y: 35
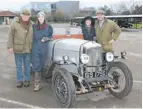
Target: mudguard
x: 69, y: 66
x: 73, y: 69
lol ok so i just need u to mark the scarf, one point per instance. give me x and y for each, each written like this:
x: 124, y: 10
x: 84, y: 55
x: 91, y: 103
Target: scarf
x: 25, y: 24
x: 101, y: 23
x: 88, y: 29
x: 42, y: 26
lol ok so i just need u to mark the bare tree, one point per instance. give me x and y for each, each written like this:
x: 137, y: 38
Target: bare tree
x: 108, y: 11
x: 137, y: 10
x: 123, y: 8
x: 58, y: 16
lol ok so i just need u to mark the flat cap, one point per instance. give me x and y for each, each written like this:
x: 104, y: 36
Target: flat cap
x: 25, y: 12
x: 100, y: 12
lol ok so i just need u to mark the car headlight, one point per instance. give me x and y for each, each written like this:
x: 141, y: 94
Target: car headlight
x: 65, y: 58
x: 123, y: 53
x: 84, y: 58
x: 109, y: 57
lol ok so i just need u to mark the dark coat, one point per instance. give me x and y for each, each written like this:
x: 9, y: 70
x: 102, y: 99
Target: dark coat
x: 38, y: 35
x: 39, y: 49
x: 88, y: 35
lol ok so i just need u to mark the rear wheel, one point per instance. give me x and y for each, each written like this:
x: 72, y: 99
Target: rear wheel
x: 122, y: 76
x: 63, y: 87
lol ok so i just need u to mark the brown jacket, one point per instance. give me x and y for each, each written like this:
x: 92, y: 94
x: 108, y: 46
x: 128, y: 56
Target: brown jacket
x: 109, y: 30
x: 19, y: 38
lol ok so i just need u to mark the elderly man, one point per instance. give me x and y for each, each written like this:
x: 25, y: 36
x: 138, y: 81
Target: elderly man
x: 20, y: 43
x: 107, y: 31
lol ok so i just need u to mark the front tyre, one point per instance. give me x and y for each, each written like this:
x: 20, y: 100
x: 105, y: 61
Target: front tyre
x: 122, y: 76
x: 63, y: 87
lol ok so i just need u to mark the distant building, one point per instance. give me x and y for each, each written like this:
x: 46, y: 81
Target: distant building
x: 35, y: 7
x: 6, y: 17
x: 67, y: 7
x: 87, y: 12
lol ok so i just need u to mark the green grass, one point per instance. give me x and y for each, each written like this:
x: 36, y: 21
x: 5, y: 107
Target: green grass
x: 137, y: 26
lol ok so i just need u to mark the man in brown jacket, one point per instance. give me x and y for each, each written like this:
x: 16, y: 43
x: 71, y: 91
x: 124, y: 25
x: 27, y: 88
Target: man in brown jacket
x: 107, y: 31
x: 20, y: 43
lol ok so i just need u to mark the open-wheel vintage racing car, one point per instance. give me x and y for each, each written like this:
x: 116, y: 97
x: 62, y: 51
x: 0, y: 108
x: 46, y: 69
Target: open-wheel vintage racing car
x: 78, y: 67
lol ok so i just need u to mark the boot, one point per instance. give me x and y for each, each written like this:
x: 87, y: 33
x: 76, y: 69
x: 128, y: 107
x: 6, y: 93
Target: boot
x: 19, y: 84
x: 37, y: 85
x: 26, y: 83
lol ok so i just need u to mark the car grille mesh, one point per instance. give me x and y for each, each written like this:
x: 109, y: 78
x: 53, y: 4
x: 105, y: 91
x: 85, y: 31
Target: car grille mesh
x: 95, y: 58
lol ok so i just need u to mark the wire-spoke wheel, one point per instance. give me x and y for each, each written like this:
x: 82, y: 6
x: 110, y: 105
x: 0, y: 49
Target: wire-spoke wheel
x: 122, y: 76
x: 63, y: 87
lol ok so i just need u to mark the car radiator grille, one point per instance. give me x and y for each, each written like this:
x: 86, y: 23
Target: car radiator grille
x: 95, y: 59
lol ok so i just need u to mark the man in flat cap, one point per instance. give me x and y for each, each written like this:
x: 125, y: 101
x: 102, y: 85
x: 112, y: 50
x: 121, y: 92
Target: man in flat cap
x: 20, y: 43
x: 107, y: 31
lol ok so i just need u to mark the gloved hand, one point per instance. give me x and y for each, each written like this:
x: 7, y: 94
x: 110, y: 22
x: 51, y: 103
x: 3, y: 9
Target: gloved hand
x: 94, y: 39
x: 44, y: 39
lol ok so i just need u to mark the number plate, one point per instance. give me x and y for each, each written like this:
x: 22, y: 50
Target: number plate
x: 92, y: 75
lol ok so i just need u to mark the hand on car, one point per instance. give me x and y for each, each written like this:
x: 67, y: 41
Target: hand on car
x: 10, y: 50
x: 42, y: 40
x: 94, y: 38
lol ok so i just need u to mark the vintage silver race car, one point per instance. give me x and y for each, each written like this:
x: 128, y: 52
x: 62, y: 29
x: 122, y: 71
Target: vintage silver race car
x: 78, y: 66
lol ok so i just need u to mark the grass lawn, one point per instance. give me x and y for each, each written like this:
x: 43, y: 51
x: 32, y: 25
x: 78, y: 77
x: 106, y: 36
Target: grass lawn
x: 137, y: 26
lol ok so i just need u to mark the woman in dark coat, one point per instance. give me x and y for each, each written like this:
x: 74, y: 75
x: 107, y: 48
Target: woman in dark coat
x: 88, y: 29
x: 41, y: 33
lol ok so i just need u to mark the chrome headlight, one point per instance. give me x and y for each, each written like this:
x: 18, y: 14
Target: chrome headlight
x: 84, y: 58
x: 109, y: 57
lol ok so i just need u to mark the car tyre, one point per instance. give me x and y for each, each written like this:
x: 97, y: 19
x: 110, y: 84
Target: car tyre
x: 128, y: 80
x: 63, y: 86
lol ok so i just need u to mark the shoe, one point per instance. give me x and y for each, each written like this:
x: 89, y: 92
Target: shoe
x: 37, y: 84
x: 26, y: 83
x: 19, y: 84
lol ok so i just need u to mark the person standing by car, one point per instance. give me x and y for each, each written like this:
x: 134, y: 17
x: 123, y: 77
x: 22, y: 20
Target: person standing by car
x: 42, y: 33
x: 20, y: 43
x: 88, y: 29
x: 107, y: 31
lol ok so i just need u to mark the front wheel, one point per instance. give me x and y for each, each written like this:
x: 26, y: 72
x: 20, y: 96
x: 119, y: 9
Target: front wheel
x: 122, y: 76
x: 63, y: 87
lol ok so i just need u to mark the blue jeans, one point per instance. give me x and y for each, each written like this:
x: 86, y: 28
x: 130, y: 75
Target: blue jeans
x: 25, y: 59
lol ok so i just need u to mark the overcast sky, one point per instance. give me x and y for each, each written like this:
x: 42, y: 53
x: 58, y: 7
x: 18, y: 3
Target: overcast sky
x: 17, y: 4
